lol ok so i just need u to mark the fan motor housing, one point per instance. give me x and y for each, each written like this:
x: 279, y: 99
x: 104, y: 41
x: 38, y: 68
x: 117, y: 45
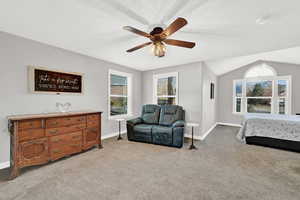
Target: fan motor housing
x: 156, y: 30
x: 155, y: 33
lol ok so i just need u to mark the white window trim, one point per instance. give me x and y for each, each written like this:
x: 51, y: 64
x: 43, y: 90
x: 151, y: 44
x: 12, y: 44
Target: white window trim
x: 164, y: 75
x: 274, y: 99
x: 264, y: 65
x: 129, y: 94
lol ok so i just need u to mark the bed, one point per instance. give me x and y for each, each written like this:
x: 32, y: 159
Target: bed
x: 279, y: 131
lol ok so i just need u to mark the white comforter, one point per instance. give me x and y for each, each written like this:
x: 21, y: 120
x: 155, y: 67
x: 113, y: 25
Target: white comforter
x: 286, y: 127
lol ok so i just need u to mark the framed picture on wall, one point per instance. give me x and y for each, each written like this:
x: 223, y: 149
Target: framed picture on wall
x: 212, y: 91
x: 43, y: 80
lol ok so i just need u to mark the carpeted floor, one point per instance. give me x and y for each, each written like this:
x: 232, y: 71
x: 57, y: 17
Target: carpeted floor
x: 221, y: 168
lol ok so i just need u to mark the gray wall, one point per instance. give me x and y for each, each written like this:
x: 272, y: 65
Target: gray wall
x: 190, y: 89
x: 209, y: 105
x: 225, y: 91
x: 17, y: 53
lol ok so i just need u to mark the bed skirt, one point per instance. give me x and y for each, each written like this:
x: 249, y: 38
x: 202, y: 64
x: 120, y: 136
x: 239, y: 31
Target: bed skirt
x: 273, y: 142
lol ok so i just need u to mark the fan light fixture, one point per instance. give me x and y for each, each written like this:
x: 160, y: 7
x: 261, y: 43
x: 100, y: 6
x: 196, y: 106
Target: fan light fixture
x: 159, y: 37
x: 159, y: 49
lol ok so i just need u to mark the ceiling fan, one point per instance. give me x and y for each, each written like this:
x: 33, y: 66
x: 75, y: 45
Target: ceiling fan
x: 159, y: 37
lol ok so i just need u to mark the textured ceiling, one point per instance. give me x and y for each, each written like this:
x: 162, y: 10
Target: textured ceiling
x: 220, y: 28
x: 222, y: 66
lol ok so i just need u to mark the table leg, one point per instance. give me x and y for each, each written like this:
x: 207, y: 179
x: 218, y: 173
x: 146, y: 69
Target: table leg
x: 120, y: 138
x: 192, y: 145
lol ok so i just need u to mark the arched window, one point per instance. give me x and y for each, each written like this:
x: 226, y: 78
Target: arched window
x: 262, y: 91
x: 263, y: 70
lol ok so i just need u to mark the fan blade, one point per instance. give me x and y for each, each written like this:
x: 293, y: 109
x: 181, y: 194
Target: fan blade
x: 179, y: 43
x: 139, y: 47
x: 175, y: 26
x: 136, y: 31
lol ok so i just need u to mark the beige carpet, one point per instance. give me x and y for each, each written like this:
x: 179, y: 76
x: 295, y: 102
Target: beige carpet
x: 221, y: 168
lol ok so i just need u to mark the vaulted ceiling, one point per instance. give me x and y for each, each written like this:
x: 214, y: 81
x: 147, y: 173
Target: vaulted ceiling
x: 220, y: 28
x: 222, y: 66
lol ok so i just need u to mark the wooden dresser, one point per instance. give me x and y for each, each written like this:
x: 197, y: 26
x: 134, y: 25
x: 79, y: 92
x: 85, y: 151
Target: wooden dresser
x: 38, y: 139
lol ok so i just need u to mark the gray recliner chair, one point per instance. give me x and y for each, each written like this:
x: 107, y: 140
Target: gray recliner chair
x: 162, y: 125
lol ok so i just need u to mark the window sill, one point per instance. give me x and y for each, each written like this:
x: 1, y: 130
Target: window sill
x: 120, y: 117
x: 236, y: 113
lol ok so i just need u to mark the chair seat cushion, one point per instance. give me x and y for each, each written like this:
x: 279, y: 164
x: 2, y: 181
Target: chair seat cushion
x: 142, y: 132
x: 162, y: 135
x: 143, y: 128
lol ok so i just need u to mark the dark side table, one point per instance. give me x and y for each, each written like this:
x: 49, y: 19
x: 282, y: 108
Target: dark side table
x: 120, y: 120
x: 192, y: 125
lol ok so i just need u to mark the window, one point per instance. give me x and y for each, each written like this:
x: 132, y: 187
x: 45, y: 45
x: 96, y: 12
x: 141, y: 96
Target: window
x: 119, y: 94
x: 259, y: 96
x: 166, y: 88
x: 238, y: 87
x: 269, y: 95
x: 262, y: 70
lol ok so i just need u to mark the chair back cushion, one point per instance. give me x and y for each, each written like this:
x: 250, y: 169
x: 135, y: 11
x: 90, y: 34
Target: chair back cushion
x: 169, y: 114
x: 150, y: 114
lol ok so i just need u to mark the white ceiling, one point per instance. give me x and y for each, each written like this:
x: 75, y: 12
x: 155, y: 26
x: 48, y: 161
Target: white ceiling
x: 222, y: 66
x: 220, y: 28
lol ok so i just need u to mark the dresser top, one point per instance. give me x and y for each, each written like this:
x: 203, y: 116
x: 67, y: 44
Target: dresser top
x: 50, y: 115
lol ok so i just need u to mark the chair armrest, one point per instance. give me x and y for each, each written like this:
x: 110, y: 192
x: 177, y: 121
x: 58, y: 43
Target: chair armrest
x: 179, y: 123
x: 135, y: 121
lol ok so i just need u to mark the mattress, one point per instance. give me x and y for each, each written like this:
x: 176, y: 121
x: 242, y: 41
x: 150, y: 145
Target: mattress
x: 279, y: 131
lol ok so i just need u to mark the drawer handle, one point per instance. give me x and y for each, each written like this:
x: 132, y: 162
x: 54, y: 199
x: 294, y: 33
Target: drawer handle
x: 68, y: 118
x: 54, y: 123
x: 75, y: 137
x: 53, y: 132
x: 58, y: 140
x: 33, y: 142
x: 56, y: 151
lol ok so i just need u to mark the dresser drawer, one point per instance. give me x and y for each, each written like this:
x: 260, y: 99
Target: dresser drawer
x: 30, y: 124
x: 95, y: 117
x: 64, y: 121
x: 58, y: 141
x: 67, y: 144
x: 64, y: 140
x: 66, y: 129
x: 74, y: 147
x: 93, y: 120
x: 54, y: 122
x: 58, y: 152
x: 30, y: 134
x: 75, y: 142
x: 92, y: 123
x: 75, y: 120
x: 75, y: 137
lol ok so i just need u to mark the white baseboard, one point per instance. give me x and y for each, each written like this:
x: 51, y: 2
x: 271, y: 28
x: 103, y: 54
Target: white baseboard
x: 103, y: 137
x: 229, y: 124
x: 208, y: 131
x: 4, y: 165
x: 204, y: 135
x: 190, y: 136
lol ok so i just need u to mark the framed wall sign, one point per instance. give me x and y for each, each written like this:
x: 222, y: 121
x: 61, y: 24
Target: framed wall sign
x: 43, y: 80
